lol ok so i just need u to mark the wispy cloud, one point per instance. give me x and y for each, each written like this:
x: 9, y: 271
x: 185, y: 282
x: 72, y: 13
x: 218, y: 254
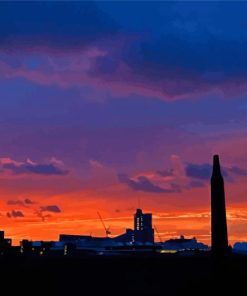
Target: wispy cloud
x: 53, y: 167
x: 182, y: 176
x: 25, y: 202
x: 142, y: 183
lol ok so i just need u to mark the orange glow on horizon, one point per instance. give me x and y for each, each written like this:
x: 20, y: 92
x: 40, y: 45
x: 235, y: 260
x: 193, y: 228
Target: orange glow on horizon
x: 190, y: 224
x: 174, y: 214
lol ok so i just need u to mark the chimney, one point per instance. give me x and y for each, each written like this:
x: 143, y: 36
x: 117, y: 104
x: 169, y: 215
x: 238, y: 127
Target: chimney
x: 219, y: 239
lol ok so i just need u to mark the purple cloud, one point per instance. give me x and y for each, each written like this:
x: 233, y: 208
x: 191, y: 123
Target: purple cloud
x: 50, y: 208
x: 15, y: 202
x: 26, y: 202
x: 15, y: 214
x: 131, y: 61
x: 238, y: 171
x: 144, y: 184
x: 30, y: 167
x: 204, y: 171
x: 199, y: 171
x: 181, y: 177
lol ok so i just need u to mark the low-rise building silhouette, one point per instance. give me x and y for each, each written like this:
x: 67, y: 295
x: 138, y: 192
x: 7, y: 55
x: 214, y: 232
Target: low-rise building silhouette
x: 182, y: 244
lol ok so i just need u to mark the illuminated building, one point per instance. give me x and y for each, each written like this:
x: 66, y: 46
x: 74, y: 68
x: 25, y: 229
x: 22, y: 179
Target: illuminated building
x: 143, y: 230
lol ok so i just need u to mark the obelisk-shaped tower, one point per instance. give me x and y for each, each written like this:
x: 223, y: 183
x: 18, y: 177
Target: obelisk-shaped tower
x: 218, y: 211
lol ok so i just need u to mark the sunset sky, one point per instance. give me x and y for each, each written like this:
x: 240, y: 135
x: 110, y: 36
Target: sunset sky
x: 107, y: 105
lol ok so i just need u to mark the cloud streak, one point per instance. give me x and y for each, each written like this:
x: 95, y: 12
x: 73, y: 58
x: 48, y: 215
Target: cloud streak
x: 25, y: 202
x: 204, y: 171
x: 29, y: 167
x: 144, y: 184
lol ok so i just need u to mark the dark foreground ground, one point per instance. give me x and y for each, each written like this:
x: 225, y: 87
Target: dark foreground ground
x: 137, y: 275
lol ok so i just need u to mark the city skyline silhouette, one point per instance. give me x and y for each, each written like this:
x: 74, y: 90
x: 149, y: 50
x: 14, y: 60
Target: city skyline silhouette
x: 142, y: 233
x: 132, y: 256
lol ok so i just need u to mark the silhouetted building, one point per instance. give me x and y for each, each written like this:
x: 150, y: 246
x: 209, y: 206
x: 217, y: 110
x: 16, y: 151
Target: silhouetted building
x: 1, y: 235
x: 219, y: 238
x: 143, y: 230
x: 73, y: 238
x: 85, y: 241
x: 143, y: 233
x: 182, y: 244
x: 5, y: 243
x: 126, y: 238
x: 40, y: 247
x: 25, y: 246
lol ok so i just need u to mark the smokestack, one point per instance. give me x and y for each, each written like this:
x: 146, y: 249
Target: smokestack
x: 219, y: 239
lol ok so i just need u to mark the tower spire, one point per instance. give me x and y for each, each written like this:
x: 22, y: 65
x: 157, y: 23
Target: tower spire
x: 218, y: 211
x: 216, y: 165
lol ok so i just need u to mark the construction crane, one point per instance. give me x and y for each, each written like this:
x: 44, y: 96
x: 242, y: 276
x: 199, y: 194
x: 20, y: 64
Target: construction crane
x: 159, y: 236
x: 107, y: 230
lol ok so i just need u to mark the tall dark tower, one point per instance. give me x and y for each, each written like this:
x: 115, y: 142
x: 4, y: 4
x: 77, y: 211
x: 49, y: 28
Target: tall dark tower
x: 218, y: 211
x: 143, y: 232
